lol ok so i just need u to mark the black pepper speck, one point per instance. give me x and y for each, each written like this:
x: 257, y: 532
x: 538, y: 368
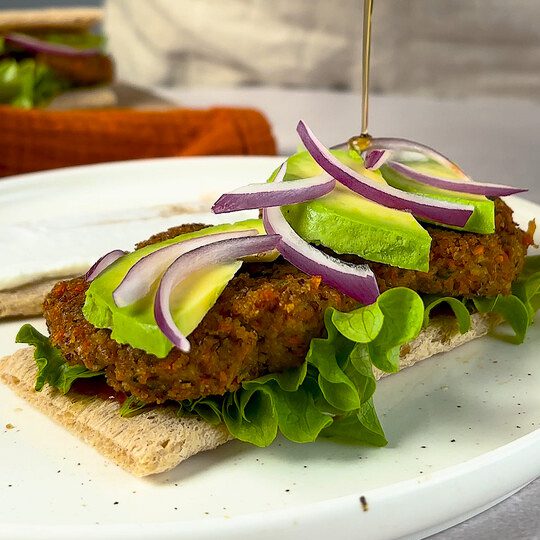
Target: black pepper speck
x: 364, y: 504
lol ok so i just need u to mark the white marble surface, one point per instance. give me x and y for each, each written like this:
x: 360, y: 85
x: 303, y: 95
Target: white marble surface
x: 492, y: 139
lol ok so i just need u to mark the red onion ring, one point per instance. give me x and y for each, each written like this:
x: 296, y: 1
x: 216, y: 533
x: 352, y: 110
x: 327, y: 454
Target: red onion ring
x: 276, y: 193
x: 356, y: 281
x: 140, y: 277
x: 435, y: 210
x: 37, y: 46
x: 476, y: 188
x: 192, y: 261
x: 405, y: 145
x: 374, y: 159
x: 102, y: 263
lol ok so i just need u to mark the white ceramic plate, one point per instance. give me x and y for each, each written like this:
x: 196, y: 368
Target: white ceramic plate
x: 463, y: 427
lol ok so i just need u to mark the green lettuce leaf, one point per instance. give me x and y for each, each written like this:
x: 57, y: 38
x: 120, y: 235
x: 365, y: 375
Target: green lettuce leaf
x: 79, y: 40
x: 512, y: 310
x: 328, y: 355
x: 527, y: 286
x: 131, y: 407
x: 403, y: 312
x: 360, y: 371
x: 208, y: 408
x: 28, y: 83
x: 251, y: 416
x: 52, y: 366
x: 359, y: 427
x: 460, y: 310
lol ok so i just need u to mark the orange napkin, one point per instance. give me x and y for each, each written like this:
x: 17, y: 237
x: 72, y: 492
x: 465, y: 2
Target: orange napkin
x: 34, y: 140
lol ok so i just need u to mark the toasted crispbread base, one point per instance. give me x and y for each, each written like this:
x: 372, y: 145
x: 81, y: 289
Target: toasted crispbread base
x: 151, y: 442
x: 26, y: 300
x: 158, y: 440
x: 52, y: 19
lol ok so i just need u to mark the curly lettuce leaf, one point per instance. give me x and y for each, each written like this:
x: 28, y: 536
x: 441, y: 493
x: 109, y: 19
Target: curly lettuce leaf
x: 332, y: 394
x: 52, y: 366
x: 251, y: 416
x: 460, y: 310
x: 28, y: 83
x: 527, y: 286
x: 360, y: 371
x: 208, y: 408
x: 328, y: 355
x: 512, y: 310
x: 131, y: 407
x: 359, y: 427
x: 79, y: 40
x: 403, y: 312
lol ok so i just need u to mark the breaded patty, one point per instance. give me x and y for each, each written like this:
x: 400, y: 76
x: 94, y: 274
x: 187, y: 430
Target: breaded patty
x: 467, y: 264
x: 263, y: 322
x: 267, y: 315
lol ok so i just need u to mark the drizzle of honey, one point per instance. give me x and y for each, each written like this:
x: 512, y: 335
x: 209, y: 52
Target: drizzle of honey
x: 361, y: 142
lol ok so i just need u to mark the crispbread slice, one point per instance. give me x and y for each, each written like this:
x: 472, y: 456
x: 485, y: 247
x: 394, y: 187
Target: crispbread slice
x: 158, y: 440
x: 50, y: 19
x: 152, y: 442
x: 26, y: 300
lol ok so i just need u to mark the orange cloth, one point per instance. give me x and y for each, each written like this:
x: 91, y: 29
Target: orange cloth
x: 34, y: 140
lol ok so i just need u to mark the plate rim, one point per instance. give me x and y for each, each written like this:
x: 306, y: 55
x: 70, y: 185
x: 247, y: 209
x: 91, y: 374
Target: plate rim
x: 49, y: 174
x: 310, y: 514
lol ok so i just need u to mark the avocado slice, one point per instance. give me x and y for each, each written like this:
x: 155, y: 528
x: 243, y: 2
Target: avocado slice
x: 482, y: 219
x: 135, y: 324
x: 348, y: 223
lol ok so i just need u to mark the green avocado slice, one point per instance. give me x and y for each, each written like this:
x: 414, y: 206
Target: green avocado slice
x: 483, y: 217
x: 348, y: 223
x: 135, y: 324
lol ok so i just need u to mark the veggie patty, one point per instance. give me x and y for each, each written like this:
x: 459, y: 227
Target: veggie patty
x: 267, y: 315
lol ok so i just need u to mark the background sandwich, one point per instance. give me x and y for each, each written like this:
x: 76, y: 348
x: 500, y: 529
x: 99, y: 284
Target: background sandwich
x: 47, y: 54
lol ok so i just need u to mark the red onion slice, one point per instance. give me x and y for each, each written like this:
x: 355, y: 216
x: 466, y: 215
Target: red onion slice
x: 137, y: 283
x: 405, y: 145
x: 374, y: 159
x: 37, y: 46
x: 476, y: 188
x: 276, y: 193
x: 102, y: 263
x: 197, y: 259
x: 435, y: 210
x: 357, y: 281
